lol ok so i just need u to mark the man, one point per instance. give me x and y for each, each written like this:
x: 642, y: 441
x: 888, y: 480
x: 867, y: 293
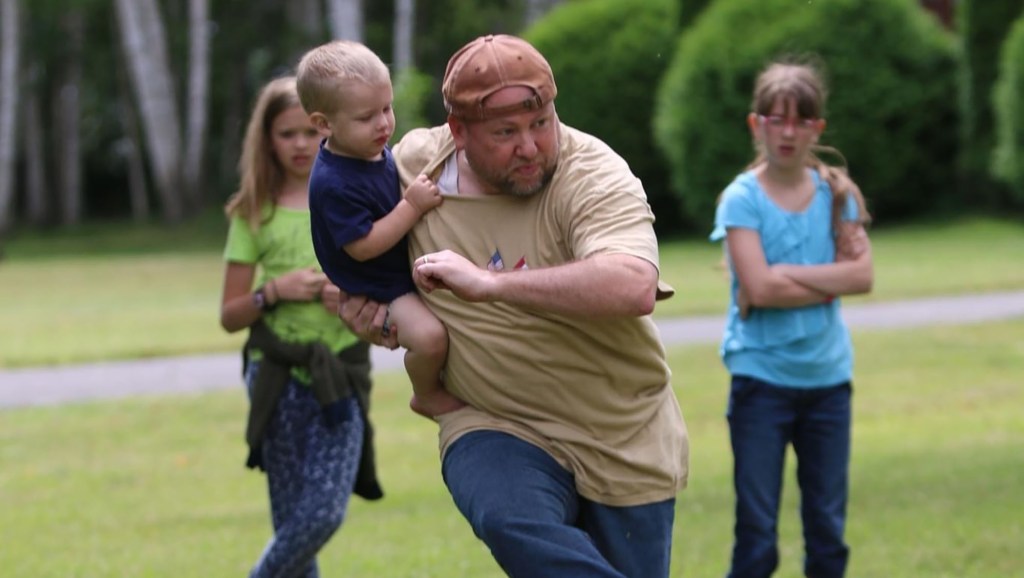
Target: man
x: 542, y: 263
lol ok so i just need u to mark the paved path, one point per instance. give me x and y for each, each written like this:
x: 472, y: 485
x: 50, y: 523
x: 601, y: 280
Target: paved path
x: 196, y: 373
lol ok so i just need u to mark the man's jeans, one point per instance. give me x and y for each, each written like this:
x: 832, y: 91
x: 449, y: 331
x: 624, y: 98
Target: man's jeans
x: 524, y: 506
x: 763, y: 420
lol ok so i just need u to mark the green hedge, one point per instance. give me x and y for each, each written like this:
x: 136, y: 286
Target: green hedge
x: 1008, y: 160
x: 983, y: 26
x: 892, y: 111
x: 608, y: 57
x: 690, y: 10
x: 412, y: 91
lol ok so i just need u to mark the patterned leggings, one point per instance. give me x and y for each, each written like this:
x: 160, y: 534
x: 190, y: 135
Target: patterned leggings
x: 310, y: 472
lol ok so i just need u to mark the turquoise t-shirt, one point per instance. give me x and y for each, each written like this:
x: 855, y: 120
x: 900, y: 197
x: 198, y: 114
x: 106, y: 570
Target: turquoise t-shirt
x: 281, y: 245
x: 794, y: 347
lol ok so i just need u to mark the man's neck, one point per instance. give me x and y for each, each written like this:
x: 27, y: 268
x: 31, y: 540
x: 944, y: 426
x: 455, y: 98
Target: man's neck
x: 470, y: 184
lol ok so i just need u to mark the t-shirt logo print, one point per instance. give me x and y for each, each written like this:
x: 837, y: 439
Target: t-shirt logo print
x: 496, y: 264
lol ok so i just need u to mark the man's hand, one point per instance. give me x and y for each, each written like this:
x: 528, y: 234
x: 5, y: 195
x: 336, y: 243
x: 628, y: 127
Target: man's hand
x: 365, y: 318
x: 453, y: 272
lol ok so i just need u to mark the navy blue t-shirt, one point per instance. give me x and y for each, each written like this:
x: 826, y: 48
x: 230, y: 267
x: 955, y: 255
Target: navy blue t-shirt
x: 346, y: 196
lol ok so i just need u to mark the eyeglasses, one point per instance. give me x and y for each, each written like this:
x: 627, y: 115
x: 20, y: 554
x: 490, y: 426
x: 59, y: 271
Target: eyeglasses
x: 779, y: 121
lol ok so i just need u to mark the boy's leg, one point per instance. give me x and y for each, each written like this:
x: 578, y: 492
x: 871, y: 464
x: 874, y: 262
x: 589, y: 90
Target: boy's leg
x: 322, y: 480
x: 636, y: 540
x: 761, y: 420
x: 523, y: 505
x: 426, y: 341
x: 418, y: 329
x: 822, y: 445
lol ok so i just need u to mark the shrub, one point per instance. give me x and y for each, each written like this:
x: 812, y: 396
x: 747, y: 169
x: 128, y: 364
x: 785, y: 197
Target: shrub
x: 983, y: 28
x: 690, y: 10
x: 412, y: 92
x: 1008, y: 163
x: 892, y: 113
x: 608, y: 57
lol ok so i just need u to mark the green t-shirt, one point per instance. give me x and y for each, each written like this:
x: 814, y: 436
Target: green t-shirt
x: 281, y: 245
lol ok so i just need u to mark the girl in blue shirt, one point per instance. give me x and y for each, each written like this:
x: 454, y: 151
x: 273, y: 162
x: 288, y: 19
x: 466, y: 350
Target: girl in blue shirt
x: 795, y: 240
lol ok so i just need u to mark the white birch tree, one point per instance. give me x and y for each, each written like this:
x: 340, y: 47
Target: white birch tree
x: 307, y: 16
x: 67, y: 116
x: 346, y: 19
x: 535, y: 9
x: 37, y: 190
x: 405, y: 27
x: 145, y: 49
x: 10, y: 56
x: 198, y: 104
x: 130, y: 147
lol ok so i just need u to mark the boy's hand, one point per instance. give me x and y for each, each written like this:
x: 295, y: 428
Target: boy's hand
x: 423, y: 194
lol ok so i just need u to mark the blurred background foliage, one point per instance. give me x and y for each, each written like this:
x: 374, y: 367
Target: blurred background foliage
x: 925, y: 94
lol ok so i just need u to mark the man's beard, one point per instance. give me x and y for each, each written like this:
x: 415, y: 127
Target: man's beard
x: 509, y: 187
x: 506, y: 185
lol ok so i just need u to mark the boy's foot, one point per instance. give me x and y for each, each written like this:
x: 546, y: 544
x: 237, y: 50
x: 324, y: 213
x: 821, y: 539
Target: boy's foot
x: 435, y: 403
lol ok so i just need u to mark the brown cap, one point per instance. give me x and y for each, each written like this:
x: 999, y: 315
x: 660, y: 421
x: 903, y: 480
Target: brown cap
x: 489, y: 64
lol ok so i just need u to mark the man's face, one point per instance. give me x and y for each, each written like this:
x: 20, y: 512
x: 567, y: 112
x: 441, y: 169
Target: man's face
x: 515, y: 154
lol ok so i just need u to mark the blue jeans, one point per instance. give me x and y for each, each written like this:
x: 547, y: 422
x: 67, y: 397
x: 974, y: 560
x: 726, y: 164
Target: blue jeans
x: 763, y: 420
x: 525, y: 507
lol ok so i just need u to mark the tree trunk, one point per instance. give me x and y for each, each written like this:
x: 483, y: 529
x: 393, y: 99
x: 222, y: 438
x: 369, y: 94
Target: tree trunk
x: 535, y: 9
x: 145, y: 49
x: 37, y: 191
x: 231, y: 128
x: 405, y: 17
x: 197, y: 108
x: 346, y: 18
x: 131, y: 146
x: 10, y: 56
x: 67, y: 119
x: 307, y: 16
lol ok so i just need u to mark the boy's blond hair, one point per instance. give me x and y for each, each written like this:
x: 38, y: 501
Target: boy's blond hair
x: 324, y: 71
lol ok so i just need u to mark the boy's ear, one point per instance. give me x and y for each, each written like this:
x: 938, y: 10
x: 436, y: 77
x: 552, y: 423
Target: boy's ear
x: 319, y: 121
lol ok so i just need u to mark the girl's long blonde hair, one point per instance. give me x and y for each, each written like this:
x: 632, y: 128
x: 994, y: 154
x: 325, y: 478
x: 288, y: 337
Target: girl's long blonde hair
x: 261, y: 175
x: 802, y: 83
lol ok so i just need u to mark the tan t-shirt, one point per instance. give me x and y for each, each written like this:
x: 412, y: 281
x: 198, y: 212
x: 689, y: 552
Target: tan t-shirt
x: 593, y: 393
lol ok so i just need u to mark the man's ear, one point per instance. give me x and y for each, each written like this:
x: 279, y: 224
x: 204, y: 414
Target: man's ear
x: 458, y: 129
x: 319, y: 121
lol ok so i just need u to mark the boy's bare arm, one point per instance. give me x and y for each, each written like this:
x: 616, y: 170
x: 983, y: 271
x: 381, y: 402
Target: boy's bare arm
x: 421, y: 196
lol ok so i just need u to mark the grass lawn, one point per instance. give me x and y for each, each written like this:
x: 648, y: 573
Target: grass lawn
x: 117, y: 292
x: 155, y: 487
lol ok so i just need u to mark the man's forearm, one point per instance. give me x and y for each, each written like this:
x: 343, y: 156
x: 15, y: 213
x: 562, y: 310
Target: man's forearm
x: 601, y: 286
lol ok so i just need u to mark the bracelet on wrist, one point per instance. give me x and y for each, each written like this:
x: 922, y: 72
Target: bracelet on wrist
x: 272, y: 284
x: 260, y: 300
